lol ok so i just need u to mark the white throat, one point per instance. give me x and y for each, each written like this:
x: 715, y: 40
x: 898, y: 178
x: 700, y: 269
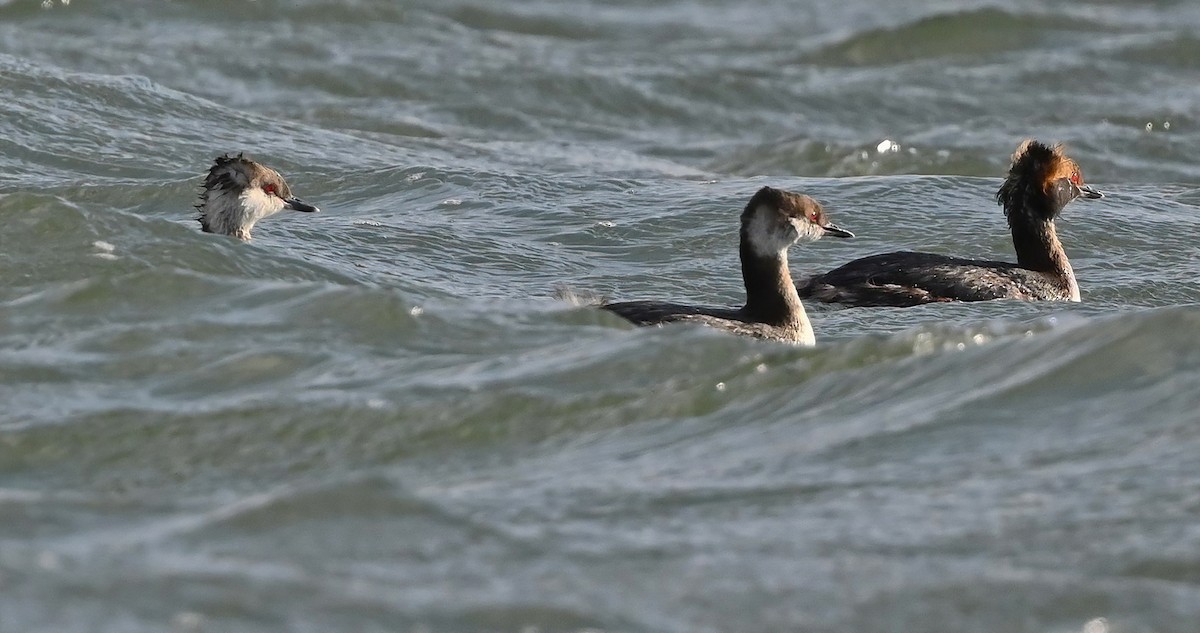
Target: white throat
x: 768, y: 237
x: 235, y: 213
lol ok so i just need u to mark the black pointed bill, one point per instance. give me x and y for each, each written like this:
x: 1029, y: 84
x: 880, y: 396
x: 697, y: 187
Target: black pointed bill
x: 836, y: 231
x: 1088, y: 192
x: 296, y: 204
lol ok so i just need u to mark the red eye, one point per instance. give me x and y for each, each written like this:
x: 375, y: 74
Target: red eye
x: 1076, y: 179
x: 269, y: 188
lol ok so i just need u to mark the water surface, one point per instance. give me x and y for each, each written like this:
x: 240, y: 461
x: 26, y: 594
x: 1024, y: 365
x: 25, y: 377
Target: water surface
x: 379, y: 418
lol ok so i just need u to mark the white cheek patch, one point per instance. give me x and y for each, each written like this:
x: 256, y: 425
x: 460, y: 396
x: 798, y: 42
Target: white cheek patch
x: 768, y: 238
x: 808, y: 230
x: 257, y: 204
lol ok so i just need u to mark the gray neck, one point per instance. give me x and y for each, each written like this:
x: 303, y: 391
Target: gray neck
x: 771, y: 296
x: 1038, y: 249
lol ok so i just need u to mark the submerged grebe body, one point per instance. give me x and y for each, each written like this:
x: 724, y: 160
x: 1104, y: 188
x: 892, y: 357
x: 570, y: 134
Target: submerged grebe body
x: 1041, y: 181
x: 239, y: 192
x: 772, y: 221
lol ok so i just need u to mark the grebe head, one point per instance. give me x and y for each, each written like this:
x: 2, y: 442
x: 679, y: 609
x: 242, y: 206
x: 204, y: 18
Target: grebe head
x: 239, y: 192
x: 775, y: 219
x: 1041, y: 181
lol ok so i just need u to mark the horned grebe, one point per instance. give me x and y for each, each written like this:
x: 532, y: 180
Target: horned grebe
x: 1041, y: 181
x: 239, y: 192
x: 772, y: 221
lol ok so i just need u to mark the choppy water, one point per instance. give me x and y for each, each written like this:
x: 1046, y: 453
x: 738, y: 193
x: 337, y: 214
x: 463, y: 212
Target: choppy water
x: 379, y: 419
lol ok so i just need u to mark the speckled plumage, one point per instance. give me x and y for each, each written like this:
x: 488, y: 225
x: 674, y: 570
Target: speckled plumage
x: 238, y: 192
x: 1041, y: 181
x: 906, y: 278
x: 735, y: 320
x: 771, y: 222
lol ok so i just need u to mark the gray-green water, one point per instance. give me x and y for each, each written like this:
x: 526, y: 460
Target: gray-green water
x: 378, y: 418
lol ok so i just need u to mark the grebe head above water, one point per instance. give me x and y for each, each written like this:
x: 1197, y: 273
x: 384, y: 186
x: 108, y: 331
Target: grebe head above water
x: 774, y: 220
x: 1041, y: 181
x: 239, y: 192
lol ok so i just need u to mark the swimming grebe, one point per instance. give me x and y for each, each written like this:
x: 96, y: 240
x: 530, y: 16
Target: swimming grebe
x: 239, y: 192
x: 1041, y: 181
x: 772, y: 221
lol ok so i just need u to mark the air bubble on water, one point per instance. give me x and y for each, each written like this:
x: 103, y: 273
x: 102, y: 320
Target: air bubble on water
x: 105, y: 250
x: 1166, y: 125
x: 187, y: 621
x: 606, y: 224
x: 1149, y: 126
x: 886, y: 146
x: 1099, y: 625
x: 923, y: 344
x: 720, y: 386
x: 372, y: 223
x: 943, y: 153
x: 979, y: 339
x: 49, y: 561
x: 960, y: 346
x: 863, y: 155
x: 416, y: 310
x: 451, y: 202
x: 760, y: 368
